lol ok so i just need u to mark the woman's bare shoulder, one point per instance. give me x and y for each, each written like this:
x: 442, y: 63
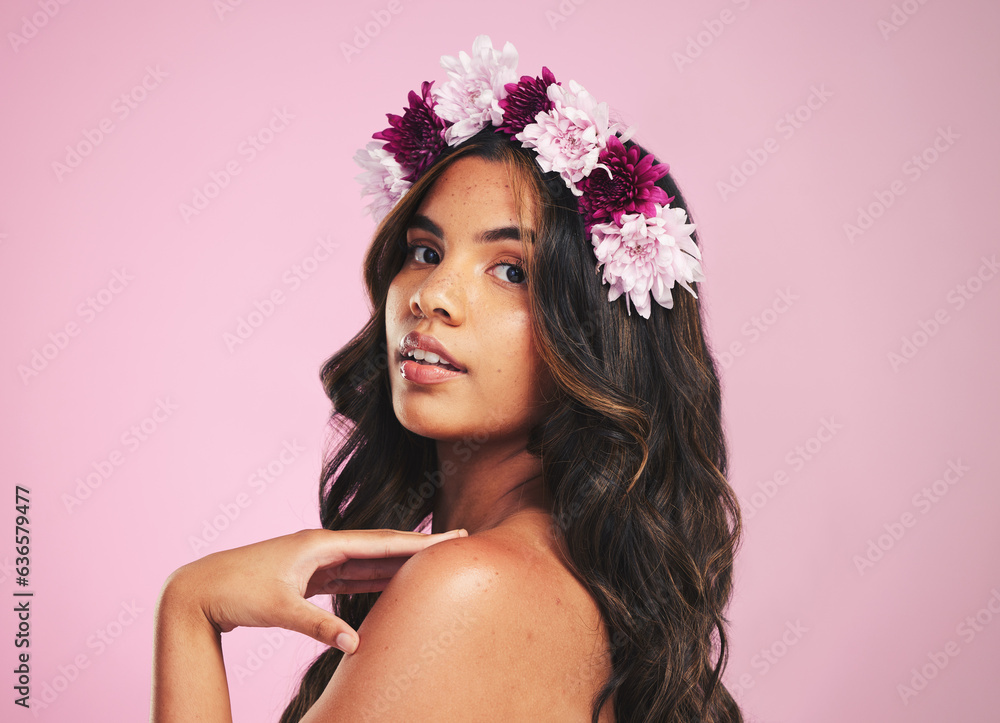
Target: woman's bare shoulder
x: 566, y: 639
x: 492, y: 623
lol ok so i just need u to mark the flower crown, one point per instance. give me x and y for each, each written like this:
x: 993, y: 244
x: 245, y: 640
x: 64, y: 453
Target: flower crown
x: 644, y: 244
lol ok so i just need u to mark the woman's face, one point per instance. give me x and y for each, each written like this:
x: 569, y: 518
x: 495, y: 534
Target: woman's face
x: 462, y: 284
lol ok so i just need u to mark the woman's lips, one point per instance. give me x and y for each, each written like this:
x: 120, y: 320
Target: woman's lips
x: 416, y: 340
x: 414, y: 371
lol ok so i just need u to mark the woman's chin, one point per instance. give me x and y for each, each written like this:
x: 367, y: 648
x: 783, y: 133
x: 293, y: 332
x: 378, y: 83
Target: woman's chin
x: 428, y: 423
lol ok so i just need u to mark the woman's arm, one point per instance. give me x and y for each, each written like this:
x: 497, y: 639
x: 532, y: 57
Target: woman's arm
x: 262, y: 585
x: 189, y: 677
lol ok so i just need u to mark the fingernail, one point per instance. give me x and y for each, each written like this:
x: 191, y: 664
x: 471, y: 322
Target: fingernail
x: 346, y: 642
x: 463, y: 532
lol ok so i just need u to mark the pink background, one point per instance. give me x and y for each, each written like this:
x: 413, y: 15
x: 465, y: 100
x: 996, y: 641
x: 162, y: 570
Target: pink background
x: 834, y: 440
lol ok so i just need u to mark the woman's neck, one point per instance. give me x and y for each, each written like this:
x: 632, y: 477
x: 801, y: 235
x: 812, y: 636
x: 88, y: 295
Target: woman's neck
x: 480, y: 486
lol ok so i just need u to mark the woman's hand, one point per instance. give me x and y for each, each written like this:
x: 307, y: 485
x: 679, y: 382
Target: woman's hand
x: 262, y: 585
x: 266, y: 584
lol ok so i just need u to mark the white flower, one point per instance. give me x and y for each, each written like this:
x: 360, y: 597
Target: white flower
x: 645, y: 256
x: 471, y: 98
x: 569, y: 138
x: 382, y: 179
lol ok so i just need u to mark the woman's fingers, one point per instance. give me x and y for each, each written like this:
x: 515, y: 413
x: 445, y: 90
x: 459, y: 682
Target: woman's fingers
x: 335, y: 579
x: 356, y: 586
x: 335, y: 546
x: 370, y: 569
x: 266, y: 584
x: 344, y: 557
x: 347, y: 587
x: 322, y: 625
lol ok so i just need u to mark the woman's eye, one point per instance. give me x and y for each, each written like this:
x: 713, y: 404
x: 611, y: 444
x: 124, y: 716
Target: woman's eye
x: 417, y: 252
x: 510, y: 272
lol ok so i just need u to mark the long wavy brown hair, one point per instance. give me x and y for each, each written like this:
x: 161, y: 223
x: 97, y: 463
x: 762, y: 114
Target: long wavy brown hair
x: 634, y: 455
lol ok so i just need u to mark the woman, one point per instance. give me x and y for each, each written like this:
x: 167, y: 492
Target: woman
x: 501, y: 389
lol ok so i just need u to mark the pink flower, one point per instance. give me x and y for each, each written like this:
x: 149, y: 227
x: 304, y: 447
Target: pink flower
x: 569, y: 138
x: 622, y: 182
x: 382, y: 178
x: 645, y: 256
x: 471, y: 99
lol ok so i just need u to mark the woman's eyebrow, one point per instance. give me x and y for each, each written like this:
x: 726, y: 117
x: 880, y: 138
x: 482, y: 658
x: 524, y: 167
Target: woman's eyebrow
x: 419, y: 221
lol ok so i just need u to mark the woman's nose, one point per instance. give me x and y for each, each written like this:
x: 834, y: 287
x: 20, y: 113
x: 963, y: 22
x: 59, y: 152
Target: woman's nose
x: 442, y: 293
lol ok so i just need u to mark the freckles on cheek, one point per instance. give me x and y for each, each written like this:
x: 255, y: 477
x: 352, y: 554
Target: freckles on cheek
x: 393, y: 301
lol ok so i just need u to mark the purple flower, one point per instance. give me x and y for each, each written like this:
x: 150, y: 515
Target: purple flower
x: 622, y: 182
x: 525, y: 100
x: 417, y: 138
